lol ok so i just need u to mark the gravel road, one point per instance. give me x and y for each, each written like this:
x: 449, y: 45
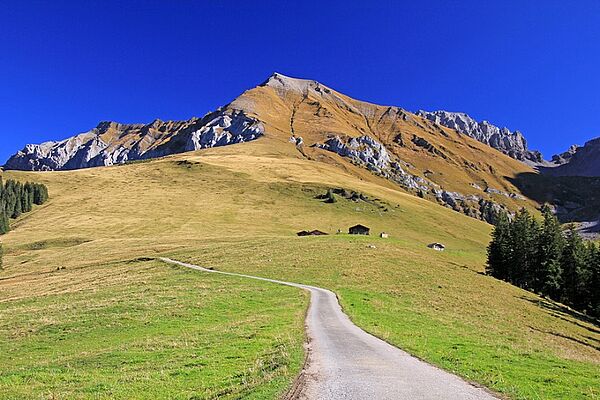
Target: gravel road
x: 345, y: 362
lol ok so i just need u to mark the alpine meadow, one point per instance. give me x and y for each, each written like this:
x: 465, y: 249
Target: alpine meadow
x: 179, y: 221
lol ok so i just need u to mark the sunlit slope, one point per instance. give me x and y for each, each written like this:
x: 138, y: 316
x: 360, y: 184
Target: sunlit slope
x: 315, y: 112
x: 145, y: 330
x: 238, y: 208
x: 238, y: 191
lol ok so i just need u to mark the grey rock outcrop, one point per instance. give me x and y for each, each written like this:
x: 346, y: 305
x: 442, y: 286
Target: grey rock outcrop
x: 503, y: 193
x: 579, y: 161
x: 363, y: 149
x: 510, y: 143
x: 372, y: 155
x: 565, y: 157
x: 113, y: 143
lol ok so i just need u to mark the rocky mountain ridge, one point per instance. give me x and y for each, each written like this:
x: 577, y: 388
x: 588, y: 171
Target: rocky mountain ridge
x: 114, y: 143
x: 373, y: 155
x: 510, y: 143
x: 577, y: 161
x: 565, y: 157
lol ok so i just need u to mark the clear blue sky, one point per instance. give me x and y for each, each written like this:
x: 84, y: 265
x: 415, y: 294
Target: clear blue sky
x: 528, y: 65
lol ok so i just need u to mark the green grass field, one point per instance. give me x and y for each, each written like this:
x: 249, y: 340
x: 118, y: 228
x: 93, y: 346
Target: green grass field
x: 81, y: 318
x: 436, y: 306
x: 147, y: 330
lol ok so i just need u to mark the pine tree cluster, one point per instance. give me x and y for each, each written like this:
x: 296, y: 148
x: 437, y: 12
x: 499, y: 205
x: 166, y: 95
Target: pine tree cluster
x: 542, y: 258
x: 17, y: 198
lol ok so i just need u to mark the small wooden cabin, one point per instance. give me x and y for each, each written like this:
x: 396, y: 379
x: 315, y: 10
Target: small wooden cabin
x: 359, y: 230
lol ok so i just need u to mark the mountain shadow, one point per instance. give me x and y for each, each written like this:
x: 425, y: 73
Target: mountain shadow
x: 576, y: 198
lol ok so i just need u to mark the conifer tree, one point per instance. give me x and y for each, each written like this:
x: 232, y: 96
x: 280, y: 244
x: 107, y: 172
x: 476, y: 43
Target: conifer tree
x: 523, y: 239
x: 541, y: 258
x: 4, y: 224
x: 594, y: 282
x: 27, y: 198
x: 16, y: 198
x: 499, y: 250
x: 547, y: 271
x: 40, y: 194
x: 574, y: 261
x: 2, y: 195
x: 9, y: 198
x: 17, y: 192
x: 1, y: 254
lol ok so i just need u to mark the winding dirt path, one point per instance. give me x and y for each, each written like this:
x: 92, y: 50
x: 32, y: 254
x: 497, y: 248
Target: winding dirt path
x: 345, y: 362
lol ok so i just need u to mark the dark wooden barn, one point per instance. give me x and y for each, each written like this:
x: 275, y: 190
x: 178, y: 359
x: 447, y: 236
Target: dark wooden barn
x: 359, y: 230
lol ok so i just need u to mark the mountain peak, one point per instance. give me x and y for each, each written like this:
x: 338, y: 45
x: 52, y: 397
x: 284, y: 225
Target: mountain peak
x: 280, y: 81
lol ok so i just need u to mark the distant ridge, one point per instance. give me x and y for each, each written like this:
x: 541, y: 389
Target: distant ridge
x: 114, y: 143
x: 510, y: 143
x: 578, y: 161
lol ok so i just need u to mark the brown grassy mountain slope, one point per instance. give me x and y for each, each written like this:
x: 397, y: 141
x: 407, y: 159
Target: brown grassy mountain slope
x: 316, y: 113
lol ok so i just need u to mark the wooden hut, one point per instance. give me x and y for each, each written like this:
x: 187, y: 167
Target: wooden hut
x: 359, y: 230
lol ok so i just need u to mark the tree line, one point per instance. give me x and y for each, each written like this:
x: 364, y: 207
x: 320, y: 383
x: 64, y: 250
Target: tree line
x: 541, y: 257
x: 17, y: 198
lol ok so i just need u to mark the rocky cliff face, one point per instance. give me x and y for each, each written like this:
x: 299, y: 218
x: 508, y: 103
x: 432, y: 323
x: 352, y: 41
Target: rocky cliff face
x: 510, y: 143
x: 373, y: 155
x: 565, y: 157
x: 578, y: 161
x: 113, y: 143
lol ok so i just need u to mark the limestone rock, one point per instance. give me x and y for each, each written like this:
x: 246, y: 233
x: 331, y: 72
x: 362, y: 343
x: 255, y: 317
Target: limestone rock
x: 510, y: 143
x: 113, y: 143
x: 371, y: 154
